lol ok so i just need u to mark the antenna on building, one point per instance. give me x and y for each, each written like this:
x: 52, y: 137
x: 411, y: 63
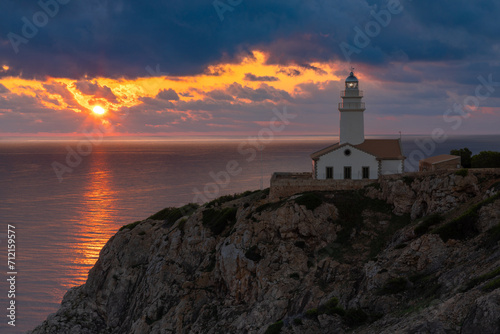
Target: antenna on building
x: 399, y: 135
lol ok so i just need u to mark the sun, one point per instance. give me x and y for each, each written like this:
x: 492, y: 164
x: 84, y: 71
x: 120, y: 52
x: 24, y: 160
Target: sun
x: 99, y: 110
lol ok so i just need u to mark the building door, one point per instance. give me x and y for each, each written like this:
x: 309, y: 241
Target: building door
x: 347, y: 172
x: 329, y: 172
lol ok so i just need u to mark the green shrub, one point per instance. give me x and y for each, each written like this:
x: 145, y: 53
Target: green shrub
x: 269, y: 206
x: 295, y: 276
x: 218, y: 220
x: 130, y: 226
x: 492, y: 237
x: 495, y: 284
x: 462, y: 172
x: 464, y: 227
x: 483, y: 278
x: 253, y: 254
x: 171, y: 215
x: 274, y: 328
x: 312, y: 313
x: 408, y: 179
x: 394, y: 285
x: 310, y: 200
x: 428, y: 221
x: 331, y: 307
x: 297, y: 321
x: 400, y: 246
x: 355, y: 317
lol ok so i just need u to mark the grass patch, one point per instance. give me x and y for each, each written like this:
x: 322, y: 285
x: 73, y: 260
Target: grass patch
x: 462, y: 172
x: 310, y: 200
x: 393, y: 286
x: 253, y: 254
x: 130, y: 226
x: 269, y: 206
x: 428, y: 221
x: 463, y: 227
x: 492, y: 238
x: 331, y: 307
x: 495, y: 284
x: 312, y: 313
x: 218, y: 220
x: 227, y: 198
x: 483, y: 278
x: 171, y: 215
x: 274, y: 328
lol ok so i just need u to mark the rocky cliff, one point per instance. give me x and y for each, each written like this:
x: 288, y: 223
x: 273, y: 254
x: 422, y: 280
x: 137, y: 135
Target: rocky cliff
x: 413, y: 254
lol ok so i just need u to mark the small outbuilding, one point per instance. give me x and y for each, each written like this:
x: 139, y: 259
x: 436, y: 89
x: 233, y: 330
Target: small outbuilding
x: 440, y: 162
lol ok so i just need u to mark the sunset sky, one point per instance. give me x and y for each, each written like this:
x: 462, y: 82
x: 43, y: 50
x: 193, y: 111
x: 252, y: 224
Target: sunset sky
x: 219, y: 68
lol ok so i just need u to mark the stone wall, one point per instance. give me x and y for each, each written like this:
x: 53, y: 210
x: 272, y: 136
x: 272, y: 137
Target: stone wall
x: 288, y: 184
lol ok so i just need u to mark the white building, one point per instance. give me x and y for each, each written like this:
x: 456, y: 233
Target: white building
x: 355, y: 157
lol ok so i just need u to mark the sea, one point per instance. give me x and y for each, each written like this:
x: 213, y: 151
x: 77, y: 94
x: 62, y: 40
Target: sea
x: 62, y: 200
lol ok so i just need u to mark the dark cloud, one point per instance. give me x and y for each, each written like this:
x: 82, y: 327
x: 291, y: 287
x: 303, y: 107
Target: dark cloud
x: 96, y: 90
x: 124, y: 38
x: 253, y: 77
x: 220, y: 95
x: 291, y: 72
x: 168, y: 95
x: 62, y: 90
x: 3, y: 89
x: 314, y: 68
x: 264, y: 92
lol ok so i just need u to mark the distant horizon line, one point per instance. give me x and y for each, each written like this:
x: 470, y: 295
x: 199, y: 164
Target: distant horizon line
x: 187, y: 138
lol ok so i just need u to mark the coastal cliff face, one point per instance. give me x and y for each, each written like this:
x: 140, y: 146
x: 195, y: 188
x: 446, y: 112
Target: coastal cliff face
x: 416, y: 253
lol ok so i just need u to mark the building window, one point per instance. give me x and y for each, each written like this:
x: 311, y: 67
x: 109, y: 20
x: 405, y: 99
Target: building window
x: 329, y: 172
x: 347, y: 152
x: 347, y: 173
x: 366, y: 172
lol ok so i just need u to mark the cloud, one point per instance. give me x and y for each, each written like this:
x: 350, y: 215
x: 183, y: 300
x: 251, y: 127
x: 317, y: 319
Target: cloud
x: 62, y: 90
x: 291, y: 72
x: 168, y: 95
x: 3, y: 89
x: 220, y: 95
x: 264, y: 92
x: 85, y: 40
x: 253, y: 77
x: 96, y: 90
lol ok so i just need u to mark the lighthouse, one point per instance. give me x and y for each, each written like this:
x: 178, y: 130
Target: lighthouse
x: 352, y: 128
x: 354, y: 157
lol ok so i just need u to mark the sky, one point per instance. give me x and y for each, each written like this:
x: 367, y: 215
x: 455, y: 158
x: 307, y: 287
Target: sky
x: 229, y: 67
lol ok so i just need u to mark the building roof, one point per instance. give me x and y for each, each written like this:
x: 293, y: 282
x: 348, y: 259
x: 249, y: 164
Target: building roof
x: 440, y: 158
x: 383, y: 149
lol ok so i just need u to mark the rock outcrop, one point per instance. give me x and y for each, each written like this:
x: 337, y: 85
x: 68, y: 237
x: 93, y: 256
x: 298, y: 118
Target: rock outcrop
x: 414, y: 254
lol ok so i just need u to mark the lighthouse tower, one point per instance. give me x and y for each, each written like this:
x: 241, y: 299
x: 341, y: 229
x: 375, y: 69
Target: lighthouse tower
x: 352, y: 129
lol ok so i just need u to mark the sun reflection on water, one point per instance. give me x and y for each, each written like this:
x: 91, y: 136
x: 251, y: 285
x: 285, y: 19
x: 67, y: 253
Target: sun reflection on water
x: 95, y: 226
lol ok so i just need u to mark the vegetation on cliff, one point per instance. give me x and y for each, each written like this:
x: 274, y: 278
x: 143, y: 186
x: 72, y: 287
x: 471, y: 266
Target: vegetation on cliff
x: 416, y: 253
